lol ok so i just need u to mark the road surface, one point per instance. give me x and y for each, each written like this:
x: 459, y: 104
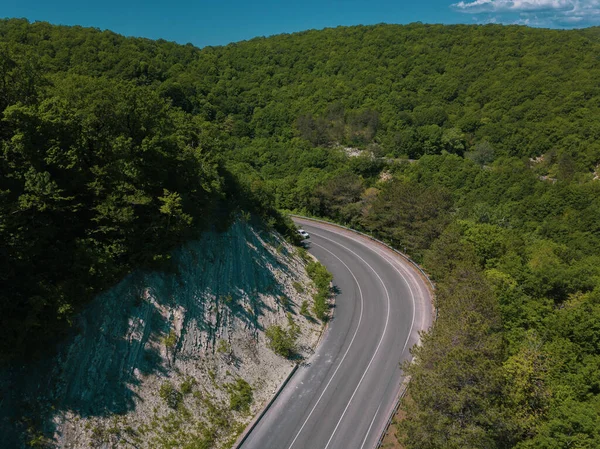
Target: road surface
x: 343, y: 395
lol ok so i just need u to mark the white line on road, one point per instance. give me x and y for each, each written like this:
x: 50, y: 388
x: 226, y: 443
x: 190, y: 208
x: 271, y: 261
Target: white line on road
x: 387, y: 321
x: 347, y: 350
x: 412, y: 295
x: 385, y: 256
x: 369, y: 429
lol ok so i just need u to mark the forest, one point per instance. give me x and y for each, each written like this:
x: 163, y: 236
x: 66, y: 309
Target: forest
x: 475, y: 149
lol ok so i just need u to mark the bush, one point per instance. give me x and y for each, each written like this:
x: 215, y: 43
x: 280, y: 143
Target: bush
x: 187, y: 385
x: 281, y: 341
x: 304, y: 308
x: 298, y: 287
x: 322, y: 279
x: 223, y: 347
x: 284, y: 301
x: 293, y: 328
x: 170, y: 340
x: 321, y: 305
x: 170, y: 395
x: 319, y: 275
x: 240, y: 395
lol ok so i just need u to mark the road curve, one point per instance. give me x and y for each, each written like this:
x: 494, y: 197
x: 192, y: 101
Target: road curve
x: 343, y: 395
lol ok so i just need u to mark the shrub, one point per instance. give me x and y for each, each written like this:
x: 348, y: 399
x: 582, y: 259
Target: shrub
x: 170, y: 395
x: 240, y: 395
x: 223, y: 347
x: 322, y: 279
x: 321, y: 305
x: 304, y: 308
x: 187, y: 385
x: 170, y: 340
x: 303, y: 254
x: 281, y: 341
x: 319, y: 275
x: 284, y: 301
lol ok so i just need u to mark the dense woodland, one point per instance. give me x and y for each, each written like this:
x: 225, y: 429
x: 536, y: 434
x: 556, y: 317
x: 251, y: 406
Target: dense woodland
x: 474, y: 149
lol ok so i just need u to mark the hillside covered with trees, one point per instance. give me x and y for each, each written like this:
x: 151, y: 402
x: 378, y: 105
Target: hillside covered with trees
x: 473, y: 148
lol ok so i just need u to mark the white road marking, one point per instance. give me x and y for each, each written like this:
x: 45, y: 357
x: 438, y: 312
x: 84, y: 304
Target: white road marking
x: 412, y: 297
x: 369, y: 429
x: 386, y: 258
x: 387, y: 321
x: 347, y: 350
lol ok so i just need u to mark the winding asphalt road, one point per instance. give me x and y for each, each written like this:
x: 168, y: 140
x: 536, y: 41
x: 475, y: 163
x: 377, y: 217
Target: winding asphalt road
x: 343, y: 395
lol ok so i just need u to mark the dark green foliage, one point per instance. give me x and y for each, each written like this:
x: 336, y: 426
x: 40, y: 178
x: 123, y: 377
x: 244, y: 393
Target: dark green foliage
x: 170, y: 395
x: 409, y: 215
x: 456, y: 386
x: 284, y: 301
x: 240, y: 395
x: 187, y: 385
x: 100, y: 174
x: 89, y: 190
x: 298, y: 287
x: 517, y: 291
x: 114, y: 150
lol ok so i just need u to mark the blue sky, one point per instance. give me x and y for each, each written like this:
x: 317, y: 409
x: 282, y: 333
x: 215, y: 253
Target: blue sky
x: 204, y: 22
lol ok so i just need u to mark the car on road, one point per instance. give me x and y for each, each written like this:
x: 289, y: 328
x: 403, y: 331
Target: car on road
x: 303, y: 233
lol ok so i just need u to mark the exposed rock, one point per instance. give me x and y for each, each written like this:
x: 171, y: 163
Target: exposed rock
x: 385, y: 176
x: 158, y: 356
x: 538, y: 159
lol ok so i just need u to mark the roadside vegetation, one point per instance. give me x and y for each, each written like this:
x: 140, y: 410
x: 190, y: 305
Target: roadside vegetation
x: 283, y: 340
x: 177, y: 427
x: 322, y: 279
x: 472, y: 148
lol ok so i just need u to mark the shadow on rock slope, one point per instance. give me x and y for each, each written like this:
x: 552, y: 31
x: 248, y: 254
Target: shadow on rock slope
x: 124, y: 334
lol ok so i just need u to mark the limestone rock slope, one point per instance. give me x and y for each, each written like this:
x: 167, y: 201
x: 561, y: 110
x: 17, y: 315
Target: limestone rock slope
x: 174, y: 359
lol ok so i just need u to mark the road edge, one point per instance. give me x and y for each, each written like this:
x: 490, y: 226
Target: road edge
x: 430, y: 283
x: 431, y: 287
x: 250, y: 427
x: 252, y: 424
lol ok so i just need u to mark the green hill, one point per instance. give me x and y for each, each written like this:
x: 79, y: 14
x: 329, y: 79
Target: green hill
x: 473, y: 148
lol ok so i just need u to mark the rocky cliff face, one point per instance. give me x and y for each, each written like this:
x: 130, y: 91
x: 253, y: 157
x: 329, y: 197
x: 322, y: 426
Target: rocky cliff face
x: 172, y: 360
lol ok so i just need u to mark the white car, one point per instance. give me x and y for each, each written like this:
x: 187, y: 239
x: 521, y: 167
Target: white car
x: 303, y: 233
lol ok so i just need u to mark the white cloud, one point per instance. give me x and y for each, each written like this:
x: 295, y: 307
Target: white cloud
x: 515, y: 5
x: 561, y: 13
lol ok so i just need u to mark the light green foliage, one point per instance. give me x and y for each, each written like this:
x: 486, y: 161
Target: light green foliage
x: 293, y: 327
x: 109, y: 162
x: 172, y: 208
x: 528, y: 394
x: 281, y: 340
x: 536, y: 387
x: 303, y: 254
x: 298, y: 287
x: 304, y: 308
x: 187, y: 385
x: 322, y: 279
x: 170, y: 340
x: 223, y: 347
